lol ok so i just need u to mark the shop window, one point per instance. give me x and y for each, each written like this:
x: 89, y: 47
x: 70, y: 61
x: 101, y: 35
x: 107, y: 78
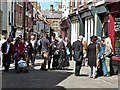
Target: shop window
x: 117, y: 36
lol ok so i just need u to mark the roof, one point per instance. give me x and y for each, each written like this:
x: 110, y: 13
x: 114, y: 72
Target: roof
x: 54, y: 14
x: 41, y: 17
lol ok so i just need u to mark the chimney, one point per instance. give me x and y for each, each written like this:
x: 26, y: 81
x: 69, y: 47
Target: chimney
x: 59, y: 7
x: 51, y: 8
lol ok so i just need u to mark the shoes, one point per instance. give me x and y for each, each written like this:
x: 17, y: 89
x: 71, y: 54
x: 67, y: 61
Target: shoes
x: 54, y: 68
x: 77, y: 74
x: 108, y: 75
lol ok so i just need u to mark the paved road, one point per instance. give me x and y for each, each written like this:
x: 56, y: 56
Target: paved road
x: 55, y: 79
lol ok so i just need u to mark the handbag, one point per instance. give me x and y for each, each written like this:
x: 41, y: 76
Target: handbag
x: 57, y: 52
x: 66, y: 63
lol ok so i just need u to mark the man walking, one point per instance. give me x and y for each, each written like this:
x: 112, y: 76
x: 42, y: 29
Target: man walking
x: 44, y: 51
x: 1, y: 42
x: 78, y: 54
x: 34, y: 45
x: 7, y: 51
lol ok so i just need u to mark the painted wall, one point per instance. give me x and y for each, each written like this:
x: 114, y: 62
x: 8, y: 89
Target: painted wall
x: 111, y: 32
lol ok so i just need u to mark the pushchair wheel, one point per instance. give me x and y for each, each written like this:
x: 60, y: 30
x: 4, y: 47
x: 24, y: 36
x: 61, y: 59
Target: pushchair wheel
x: 25, y: 71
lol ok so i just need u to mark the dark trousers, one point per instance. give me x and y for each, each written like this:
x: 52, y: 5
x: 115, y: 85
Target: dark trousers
x: 33, y: 57
x: 49, y: 61
x: 6, y: 61
x: 60, y: 60
x: 39, y: 49
x: 28, y: 58
x: 77, y: 67
x: 55, y: 61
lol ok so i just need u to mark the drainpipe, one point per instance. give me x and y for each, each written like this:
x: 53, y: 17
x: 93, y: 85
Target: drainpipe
x: 70, y: 22
x: 81, y: 26
x: 24, y: 18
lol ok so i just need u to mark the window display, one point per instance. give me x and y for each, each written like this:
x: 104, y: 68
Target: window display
x: 117, y: 36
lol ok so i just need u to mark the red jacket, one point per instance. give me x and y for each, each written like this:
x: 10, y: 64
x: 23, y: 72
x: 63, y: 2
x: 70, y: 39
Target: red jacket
x: 19, y: 49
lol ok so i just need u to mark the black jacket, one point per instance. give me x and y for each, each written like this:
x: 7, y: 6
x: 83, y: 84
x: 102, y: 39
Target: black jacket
x: 78, y: 50
x: 4, y: 48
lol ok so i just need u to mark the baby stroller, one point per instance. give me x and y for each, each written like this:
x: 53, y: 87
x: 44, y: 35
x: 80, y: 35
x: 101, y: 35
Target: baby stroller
x: 22, y: 65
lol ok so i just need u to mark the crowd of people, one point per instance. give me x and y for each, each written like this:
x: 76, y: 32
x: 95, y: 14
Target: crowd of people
x: 97, y: 55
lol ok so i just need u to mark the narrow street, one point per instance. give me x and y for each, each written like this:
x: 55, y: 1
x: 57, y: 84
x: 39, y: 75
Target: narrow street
x: 63, y: 79
x: 83, y: 28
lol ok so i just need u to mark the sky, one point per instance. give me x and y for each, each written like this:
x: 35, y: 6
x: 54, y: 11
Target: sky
x: 45, y: 4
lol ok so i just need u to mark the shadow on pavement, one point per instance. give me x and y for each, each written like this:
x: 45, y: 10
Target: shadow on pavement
x: 84, y: 75
x: 34, y: 79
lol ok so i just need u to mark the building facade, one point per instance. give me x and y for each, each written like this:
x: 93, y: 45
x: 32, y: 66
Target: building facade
x: 1, y: 15
x: 5, y: 18
x: 54, y: 19
x: 96, y: 17
x: 65, y: 23
x: 114, y: 27
x: 18, y: 18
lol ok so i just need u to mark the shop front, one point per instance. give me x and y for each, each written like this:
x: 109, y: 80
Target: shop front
x: 74, y: 27
x: 87, y: 24
x: 114, y: 26
x: 114, y: 30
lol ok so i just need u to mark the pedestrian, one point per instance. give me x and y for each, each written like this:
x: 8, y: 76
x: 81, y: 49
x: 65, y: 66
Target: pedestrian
x: 60, y: 49
x: 53, y: 49
x: 78, y: 54
x: 34, y: 46
x: 1, y: 42
x: 7, y: 53
x: 39, y: 45
x: 108, y: 54
x: 28, y: 51
x: 84, y: 52
x: 44, y: 51
x: 92, y: 53
x: 102, y: 68
x: 68, y: 49
x: 19, y: 50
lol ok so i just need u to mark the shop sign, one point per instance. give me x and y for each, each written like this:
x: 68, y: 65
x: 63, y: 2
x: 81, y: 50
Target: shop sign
x: 86, y: 14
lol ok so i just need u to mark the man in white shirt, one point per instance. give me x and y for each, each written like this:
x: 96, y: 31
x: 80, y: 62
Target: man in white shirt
x: 34, y: 45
